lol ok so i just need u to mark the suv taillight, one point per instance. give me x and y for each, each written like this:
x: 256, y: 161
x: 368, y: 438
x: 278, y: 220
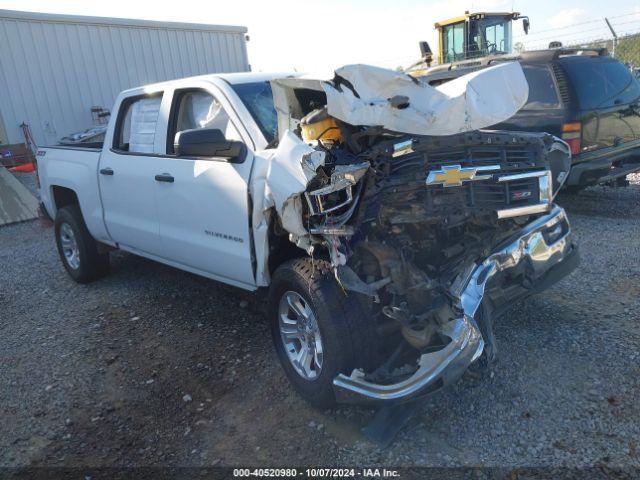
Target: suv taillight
x: 571, y: 133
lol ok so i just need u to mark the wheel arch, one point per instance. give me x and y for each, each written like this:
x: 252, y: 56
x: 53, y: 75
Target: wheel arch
x: 63, y: 197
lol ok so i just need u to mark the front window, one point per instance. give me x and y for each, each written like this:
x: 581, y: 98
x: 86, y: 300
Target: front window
x: 493, y: 36
x: 199, y: 109
x: 453, y: 36
x: 258, y: 99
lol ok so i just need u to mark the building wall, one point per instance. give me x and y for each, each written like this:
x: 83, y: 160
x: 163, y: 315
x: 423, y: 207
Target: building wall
x: 3, y: 132
x: 54, y: 68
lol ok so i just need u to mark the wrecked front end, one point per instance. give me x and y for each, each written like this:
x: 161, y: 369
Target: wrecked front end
x: 435, y: 235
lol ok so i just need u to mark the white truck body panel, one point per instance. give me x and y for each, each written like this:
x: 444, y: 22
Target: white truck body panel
x: 129, y: 201
x: 199, y: 223
x: 77, y: 170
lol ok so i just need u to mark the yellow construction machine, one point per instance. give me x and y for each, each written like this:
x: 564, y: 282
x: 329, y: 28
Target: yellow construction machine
x: 473, y: 35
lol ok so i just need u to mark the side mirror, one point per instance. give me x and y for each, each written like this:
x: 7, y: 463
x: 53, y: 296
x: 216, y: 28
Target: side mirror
x: 425, y: 49
x: 526, y: 25
x: 208, y: 142
x: 425, y: 53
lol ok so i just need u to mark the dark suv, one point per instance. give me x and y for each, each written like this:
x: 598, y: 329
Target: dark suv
x: 585, y: 97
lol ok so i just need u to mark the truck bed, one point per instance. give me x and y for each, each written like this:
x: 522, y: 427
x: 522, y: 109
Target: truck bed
x: 76, y: 169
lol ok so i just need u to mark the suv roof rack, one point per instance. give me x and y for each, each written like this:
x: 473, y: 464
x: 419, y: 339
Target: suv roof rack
x: 553, y: 53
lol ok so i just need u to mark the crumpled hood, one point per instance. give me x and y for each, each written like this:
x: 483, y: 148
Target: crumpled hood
x: 361, y: 95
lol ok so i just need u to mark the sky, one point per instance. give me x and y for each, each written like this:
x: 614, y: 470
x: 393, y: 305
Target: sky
x: 297, y: 35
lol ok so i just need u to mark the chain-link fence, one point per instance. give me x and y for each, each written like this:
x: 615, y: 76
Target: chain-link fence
x: 619, y: 34
x: 625, y: 48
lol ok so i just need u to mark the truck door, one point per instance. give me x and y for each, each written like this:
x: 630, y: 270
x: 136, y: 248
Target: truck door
x: 203, y: 208
x: 126, y: 175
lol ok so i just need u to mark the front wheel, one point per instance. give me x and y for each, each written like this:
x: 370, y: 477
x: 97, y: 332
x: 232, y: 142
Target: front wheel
x: 78, y: 250
x: 318, y: 330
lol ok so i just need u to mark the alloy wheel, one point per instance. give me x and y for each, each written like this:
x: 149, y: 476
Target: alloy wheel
x: 69, y: 246
x: 300, y: 335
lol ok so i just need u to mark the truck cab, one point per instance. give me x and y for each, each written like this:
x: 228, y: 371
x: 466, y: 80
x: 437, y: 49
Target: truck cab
x: 477, y: 35
x: 141, y: 194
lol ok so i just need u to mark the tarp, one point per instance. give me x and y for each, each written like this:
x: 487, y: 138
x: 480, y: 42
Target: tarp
x: 362, y: 95
x: 476, y: 100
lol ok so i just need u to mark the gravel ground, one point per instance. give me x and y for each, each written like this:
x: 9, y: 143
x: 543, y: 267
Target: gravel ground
x: 156, y: 366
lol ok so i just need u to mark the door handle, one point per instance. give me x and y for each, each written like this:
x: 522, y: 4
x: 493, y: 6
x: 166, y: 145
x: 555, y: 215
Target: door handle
x: 165, y: 177
x: 106, y: 171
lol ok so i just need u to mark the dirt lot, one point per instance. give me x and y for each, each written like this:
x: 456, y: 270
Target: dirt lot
x: 156, y: 366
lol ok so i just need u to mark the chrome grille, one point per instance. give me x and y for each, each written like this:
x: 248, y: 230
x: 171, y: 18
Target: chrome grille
x: 402, y: 179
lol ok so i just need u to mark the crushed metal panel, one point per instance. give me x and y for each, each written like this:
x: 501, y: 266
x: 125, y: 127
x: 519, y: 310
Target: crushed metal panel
x: 17, y: 204
x: 290, y: 169
x: 279, y: 177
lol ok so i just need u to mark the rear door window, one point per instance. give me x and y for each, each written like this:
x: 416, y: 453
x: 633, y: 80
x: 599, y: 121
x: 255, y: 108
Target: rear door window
x: 136, y: 125
x: 601, y: 82
x: 542, y: 88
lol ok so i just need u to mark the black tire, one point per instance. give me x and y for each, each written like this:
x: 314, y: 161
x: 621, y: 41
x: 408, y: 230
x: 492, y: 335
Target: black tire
x: 92, y: 265
x: 345, y: 332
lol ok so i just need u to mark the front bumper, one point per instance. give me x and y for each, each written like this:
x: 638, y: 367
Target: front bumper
x: 541, y: 253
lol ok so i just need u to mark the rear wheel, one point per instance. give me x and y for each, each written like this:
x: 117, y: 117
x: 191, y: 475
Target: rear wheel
x: 318, y: 330
x: 77, y: 248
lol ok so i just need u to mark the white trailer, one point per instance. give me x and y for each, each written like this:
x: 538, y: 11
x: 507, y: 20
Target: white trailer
x: 55, y: 68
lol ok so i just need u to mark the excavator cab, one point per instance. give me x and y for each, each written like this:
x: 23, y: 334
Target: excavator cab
x: 475, y: 35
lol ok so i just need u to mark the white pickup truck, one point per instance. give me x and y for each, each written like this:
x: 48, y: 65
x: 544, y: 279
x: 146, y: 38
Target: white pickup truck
x: 386, y: 251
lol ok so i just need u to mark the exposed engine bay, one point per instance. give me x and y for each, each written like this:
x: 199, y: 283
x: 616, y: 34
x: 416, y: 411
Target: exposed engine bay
x: 417, y: 225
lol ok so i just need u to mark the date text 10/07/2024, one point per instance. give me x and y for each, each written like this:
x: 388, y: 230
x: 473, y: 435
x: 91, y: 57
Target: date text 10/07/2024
x: 315, y: 473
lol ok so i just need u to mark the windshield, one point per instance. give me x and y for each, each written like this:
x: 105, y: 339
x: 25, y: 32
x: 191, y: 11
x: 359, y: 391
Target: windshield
x: 258, y: 99
x: 493, y: 36
x: 601, y: 82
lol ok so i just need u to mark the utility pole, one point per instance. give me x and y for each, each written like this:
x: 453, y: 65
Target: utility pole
x: 615, y: 37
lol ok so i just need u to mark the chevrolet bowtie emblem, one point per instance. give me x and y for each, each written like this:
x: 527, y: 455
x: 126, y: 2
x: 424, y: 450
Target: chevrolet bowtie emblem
x: 455, y: 175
